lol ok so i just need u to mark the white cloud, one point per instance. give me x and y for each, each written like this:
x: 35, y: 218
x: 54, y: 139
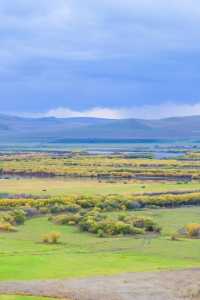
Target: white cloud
x: 143, y: 112
x: 96, y: 112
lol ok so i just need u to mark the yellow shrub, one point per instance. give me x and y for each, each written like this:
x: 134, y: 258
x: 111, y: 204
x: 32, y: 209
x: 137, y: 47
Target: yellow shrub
x: 52, y: 237
x: 7, y: 227
x: 193, y: 230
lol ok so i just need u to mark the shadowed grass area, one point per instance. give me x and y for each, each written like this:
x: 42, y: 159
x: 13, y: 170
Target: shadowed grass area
x: 23, y: 256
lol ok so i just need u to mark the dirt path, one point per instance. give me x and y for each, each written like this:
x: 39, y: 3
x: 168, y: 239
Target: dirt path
x: 172, y: 285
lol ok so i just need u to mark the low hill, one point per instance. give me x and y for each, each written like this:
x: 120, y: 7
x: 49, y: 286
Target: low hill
x: 13, y: 129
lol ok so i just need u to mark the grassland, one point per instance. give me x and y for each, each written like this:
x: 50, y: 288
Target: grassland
x: 61, y: 186
x: 89, y: 183
x: 23, y: 256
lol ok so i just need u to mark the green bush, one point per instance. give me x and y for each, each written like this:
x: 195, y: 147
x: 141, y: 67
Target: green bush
x: 15, y: 217
x: 8, y: 219
x: 68, y: 219
x: 43, y: 210
x: 19, y: 216
x: 100, y: 233
x: 72, y: 208
x: 57, y: 208
x: 107, y: 226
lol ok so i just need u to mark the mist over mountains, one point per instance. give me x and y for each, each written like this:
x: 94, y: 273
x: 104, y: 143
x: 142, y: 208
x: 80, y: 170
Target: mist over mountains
x: 19, y: 129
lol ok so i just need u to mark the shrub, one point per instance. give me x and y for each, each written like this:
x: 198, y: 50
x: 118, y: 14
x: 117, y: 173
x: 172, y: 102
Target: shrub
x: 193, y: 230
x: 100, y: 233
x: 8, y: 219
x: 19, y: 216
x: 15, y: 217
x: 106, y: 203
x: 69, y: 219
x: 55, y: 236
x: 146, y: 223
x: 174, y: 237
x: 133, y: 205
x: 122, y: 216
x: 52, y: 237
x: 57, y: 208
x: 31, y: 212
x: 104, y: 225
x: 43, y: 210
x: 7, y: 227
x: 72, y: 208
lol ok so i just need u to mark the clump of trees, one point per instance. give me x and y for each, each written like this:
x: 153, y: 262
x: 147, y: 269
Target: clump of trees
x: 9, y: 221
x: 103, y: 225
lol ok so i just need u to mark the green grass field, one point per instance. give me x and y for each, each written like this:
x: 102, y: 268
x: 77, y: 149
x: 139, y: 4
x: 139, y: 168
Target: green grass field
x: 23, y: 256
x: 55, y: 186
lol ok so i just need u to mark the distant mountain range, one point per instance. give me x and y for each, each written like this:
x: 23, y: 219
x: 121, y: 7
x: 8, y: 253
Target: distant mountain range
x: 18, y: 129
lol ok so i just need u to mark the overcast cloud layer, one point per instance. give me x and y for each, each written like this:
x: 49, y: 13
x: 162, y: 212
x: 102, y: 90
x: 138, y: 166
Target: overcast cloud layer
x: 128, y: 58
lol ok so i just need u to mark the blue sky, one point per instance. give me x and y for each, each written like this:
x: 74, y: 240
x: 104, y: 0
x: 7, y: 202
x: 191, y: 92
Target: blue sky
x: 112, y: 58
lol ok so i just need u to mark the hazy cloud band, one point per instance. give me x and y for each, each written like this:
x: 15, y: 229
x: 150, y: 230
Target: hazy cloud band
x: 143, y: 112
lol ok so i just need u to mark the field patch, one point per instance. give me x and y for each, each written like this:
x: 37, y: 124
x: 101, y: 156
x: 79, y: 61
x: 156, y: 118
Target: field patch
x: 24, y: 256
x: 60, y: 186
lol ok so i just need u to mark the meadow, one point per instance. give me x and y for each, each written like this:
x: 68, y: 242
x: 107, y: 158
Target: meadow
x: 24, y: 256
x: 65, y: 186
x: 93, y: 217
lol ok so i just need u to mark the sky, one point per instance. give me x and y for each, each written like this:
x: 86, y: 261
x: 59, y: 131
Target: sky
x: 101, y: 58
